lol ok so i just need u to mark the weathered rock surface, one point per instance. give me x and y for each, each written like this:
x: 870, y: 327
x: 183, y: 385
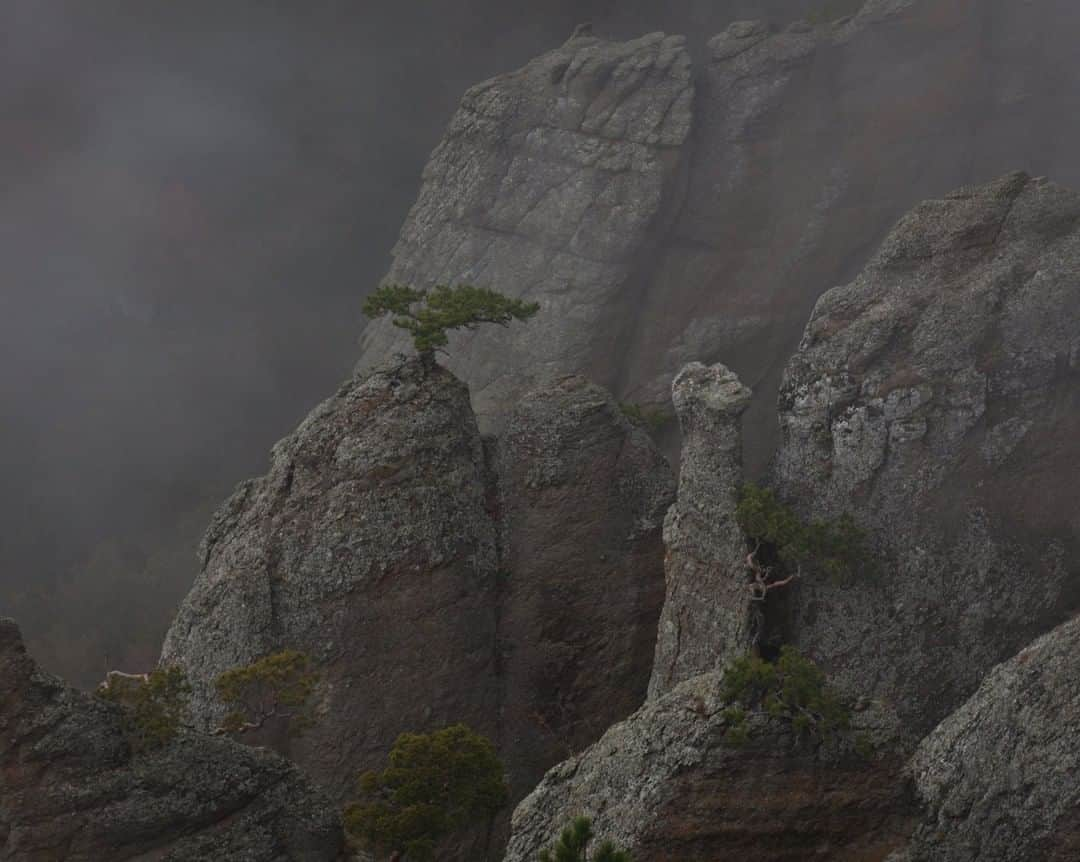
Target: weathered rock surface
x: 999, y: 777
x: 583, y: 497
x: 664, y: 785
x: 696, y: 215
x: 707, y: 617
x: 370, y: 546
x: 514, y: 585
x: 71, y: 790
x: 548, y: 185
x: 937, y: 397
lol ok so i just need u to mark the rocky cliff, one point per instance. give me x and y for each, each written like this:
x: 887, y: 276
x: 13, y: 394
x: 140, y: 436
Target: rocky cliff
x: 433, y: 577
x: 937, y: 398
x: 695, y: 211
x: 72, y: 789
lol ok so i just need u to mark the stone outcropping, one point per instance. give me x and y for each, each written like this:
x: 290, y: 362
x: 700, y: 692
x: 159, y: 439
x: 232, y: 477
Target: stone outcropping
x: 937, y: 398
x: 433, y: 577
x: 665, y: 785
x: 696, y: 213
x: 583, y: 494
x: 707, y: 617
x: 71, y: 790
x: 998, y: 777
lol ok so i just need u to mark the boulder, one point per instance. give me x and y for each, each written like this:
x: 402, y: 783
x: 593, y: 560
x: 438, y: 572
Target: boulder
x: 73, y: 790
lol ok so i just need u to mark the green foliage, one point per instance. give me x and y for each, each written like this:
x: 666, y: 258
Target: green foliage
x: 155, y: 707
x: 792, y: 689
x: 653, y: 419
x: 277, y: 685
x: 436, y: 784
x: 837, y: 549
x: 429, y: 315
x: 573, y: 846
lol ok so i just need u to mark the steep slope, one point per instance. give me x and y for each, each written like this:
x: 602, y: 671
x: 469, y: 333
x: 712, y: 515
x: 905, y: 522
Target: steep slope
x: 794, y: 157
x: 998, y: 777
x: 937, y: 398
x: 71, y: 790
x: 511, y: 584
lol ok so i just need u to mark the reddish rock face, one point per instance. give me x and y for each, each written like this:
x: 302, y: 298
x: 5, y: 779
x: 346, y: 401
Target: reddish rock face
x: 71, y: 789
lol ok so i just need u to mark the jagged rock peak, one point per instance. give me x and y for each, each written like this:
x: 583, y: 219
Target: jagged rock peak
x: 707, y: 616
x: 998, y: 777
x: 71, y: 789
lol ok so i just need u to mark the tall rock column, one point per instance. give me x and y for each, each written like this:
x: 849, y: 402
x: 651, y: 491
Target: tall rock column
x: 707, y: 615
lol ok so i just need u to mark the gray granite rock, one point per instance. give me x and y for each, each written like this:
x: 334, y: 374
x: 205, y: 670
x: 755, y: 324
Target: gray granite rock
x: 936, y: 398
x: 708, y: 617
x: 999, y: 777
x: 72, y: 790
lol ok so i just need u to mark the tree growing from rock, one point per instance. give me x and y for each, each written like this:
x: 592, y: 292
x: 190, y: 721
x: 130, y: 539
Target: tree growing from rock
x: 277, y: 686
x: 436, y: 784
x: 429, y: 315
x: 573, y: 845
x: 155, y: 705
x: 836, y: 549
x: 792, y: 689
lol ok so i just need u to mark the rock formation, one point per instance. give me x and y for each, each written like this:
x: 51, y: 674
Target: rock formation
x: 369, y: 545
x: 583, y: 497
x: 998, y: 777
x: 697, y: 213
x: 664, y: 785
x: 707, y: 617
x: 937, y: 398
x: 513, y: 585
x: 71, y: 789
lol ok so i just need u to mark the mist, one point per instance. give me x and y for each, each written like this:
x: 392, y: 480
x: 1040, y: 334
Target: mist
x: 194, y: 201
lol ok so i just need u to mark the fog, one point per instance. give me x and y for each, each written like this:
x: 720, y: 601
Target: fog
x: 193, y: 200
